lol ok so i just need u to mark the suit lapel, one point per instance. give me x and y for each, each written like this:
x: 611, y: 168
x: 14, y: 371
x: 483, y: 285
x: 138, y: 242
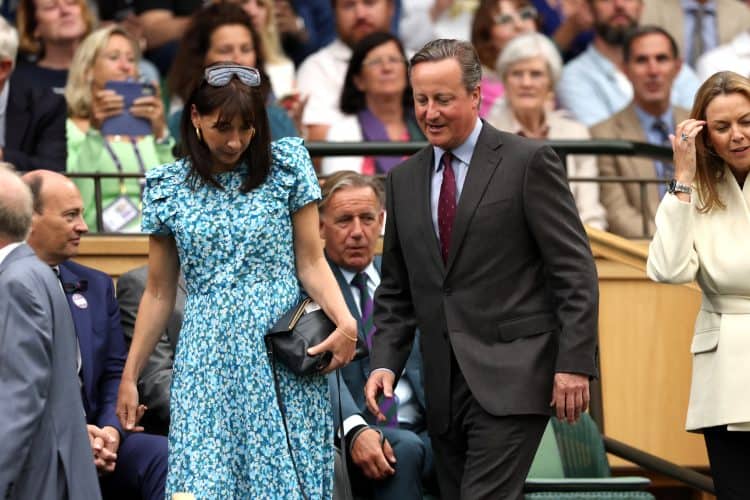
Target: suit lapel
x: 630, y: 128
x: 17, y: 110
x: 84, y: 330
x: 484, y: 162
x: 346, y: 291
x: 422, y: 176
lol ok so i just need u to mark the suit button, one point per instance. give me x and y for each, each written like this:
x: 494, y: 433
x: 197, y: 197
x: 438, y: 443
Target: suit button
x: 445, y: 335
x: 447, y: 291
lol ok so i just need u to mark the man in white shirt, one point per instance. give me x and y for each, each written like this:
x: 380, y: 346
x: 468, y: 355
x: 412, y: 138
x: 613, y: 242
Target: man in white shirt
x: 733, y: 56
x: 321, y: 75
x: 391, y: 460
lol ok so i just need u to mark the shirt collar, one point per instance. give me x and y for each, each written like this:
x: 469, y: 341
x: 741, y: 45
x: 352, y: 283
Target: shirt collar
x: 693, y: 5
x: 4, y: 98
x: 597, y: 58
x: 463, y: 152
x: 370, y: 271
x: 7, y: 249
x: 647, y: 120
x: 340, y: 51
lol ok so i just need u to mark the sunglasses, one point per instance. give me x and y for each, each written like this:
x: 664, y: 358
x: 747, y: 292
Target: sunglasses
x: 219, y: 76
x: 528, y: 13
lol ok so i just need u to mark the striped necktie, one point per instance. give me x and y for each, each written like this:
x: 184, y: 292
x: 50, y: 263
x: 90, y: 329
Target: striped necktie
x: 365, y: 307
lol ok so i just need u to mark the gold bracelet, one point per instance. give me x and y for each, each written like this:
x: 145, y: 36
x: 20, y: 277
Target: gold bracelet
x: 353, y: 339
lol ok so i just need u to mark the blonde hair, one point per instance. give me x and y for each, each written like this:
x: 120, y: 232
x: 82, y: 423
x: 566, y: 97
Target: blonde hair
x: 26, y: 25
x: 710, y: 167
x: 78, y: 88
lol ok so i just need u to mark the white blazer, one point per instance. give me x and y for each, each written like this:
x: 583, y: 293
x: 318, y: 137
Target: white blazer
x: 713, y: 249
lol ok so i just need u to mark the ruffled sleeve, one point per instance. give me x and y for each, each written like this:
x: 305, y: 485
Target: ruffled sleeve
x: 291, y: 163
x: 159, y: 193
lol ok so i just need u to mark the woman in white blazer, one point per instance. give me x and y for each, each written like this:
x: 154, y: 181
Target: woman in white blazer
x: 529, y: 67
x: 703, y: 234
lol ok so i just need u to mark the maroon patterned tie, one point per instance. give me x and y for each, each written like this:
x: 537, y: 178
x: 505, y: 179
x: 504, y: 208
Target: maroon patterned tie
x: 446, y: 205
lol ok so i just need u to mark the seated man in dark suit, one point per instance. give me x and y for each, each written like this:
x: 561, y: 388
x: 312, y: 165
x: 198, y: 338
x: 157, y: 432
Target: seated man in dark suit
x: 156, y: 377
x: 32, y: 120
x: 351, y: 219
x: 132, y: 464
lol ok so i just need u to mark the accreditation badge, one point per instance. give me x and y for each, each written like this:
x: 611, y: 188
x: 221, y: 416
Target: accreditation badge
x: 119, y: 214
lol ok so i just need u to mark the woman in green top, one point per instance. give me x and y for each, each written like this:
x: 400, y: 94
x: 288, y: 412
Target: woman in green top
x: 106, y: 55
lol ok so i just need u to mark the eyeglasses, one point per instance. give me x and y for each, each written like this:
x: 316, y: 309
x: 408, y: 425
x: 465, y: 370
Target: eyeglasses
x: 221, y: 75
x: 382, y: 61
x: 527, y: 13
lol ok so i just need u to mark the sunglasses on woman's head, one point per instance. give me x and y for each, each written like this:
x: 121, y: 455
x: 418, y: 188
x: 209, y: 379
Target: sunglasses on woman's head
x: 219, y: 76
x: 528, y: 13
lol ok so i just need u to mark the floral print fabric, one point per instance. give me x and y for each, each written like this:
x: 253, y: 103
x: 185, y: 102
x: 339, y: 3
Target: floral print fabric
x: 226, y: 438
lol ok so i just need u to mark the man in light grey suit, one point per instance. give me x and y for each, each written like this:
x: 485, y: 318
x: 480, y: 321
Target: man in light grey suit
x: 44, y: 446
x: 485, y: 253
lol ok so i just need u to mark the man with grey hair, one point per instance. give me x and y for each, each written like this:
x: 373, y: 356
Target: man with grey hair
x: 485, y: 253
x: 391, y: 460
x: 32, y: 119
x: 44, y: 446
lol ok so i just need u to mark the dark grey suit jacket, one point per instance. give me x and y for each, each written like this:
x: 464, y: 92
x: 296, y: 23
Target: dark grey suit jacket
x: 155, y: 381
x: 44, y: 446
x: 518, y: 298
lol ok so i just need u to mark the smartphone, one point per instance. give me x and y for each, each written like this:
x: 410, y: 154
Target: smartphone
x: 125, y: 123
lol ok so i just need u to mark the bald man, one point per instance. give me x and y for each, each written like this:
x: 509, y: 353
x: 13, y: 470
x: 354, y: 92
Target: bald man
x: 129, y: 465
x: 44, y: 448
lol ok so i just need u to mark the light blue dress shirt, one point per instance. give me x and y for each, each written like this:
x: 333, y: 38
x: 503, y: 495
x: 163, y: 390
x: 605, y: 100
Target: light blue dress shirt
x: 461, y: 160
x: 591, y: 88
x: 708, y: 30
x: 654, y: 137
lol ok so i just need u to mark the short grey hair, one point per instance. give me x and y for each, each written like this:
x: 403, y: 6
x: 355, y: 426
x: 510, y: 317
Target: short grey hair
x: 350, y: 179
x: 447, y: 48
x: 8, y: 41
x: 15, y: 205
x: 527, y: 46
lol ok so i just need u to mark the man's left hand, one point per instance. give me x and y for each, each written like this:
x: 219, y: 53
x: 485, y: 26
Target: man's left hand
x: 570, y: 395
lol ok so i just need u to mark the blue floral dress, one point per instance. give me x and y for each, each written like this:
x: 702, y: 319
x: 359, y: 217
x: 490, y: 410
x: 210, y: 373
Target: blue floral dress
x: 226, y: 439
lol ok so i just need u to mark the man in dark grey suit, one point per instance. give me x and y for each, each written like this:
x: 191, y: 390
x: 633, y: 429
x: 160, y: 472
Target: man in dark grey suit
x: 351, y: 219
x: 485, y: 253
x: 44, y: 447
x: 156, y: 377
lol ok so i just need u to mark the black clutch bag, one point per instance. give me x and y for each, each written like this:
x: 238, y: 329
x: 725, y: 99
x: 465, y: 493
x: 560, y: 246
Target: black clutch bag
x: 300, y: 328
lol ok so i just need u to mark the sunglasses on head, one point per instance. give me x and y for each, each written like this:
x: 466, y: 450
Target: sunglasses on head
x: 219, y: 76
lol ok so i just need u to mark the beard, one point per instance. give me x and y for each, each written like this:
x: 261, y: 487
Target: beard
x: 614, y: 35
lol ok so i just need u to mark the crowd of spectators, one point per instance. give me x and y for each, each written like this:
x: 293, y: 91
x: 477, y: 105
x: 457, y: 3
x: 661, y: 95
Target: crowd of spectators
x: 304, y: 49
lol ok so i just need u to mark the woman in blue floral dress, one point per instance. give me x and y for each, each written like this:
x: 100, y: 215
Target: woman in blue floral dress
x: 238, y: 216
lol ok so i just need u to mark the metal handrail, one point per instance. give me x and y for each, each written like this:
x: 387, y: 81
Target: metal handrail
x: 562, y: 147
x: 652, y: 462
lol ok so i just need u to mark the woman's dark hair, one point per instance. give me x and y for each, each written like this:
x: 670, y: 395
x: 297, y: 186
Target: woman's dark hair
x: 352, y: 99
x: 187, y: 69
x: 232, y: 100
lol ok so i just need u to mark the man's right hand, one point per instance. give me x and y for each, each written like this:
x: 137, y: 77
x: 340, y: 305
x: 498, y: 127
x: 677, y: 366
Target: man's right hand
x: 375, y: 461
x: 104, y: 458
x: 380, y: 381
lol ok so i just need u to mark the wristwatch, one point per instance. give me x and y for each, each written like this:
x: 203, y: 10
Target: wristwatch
x: 678, y: 187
